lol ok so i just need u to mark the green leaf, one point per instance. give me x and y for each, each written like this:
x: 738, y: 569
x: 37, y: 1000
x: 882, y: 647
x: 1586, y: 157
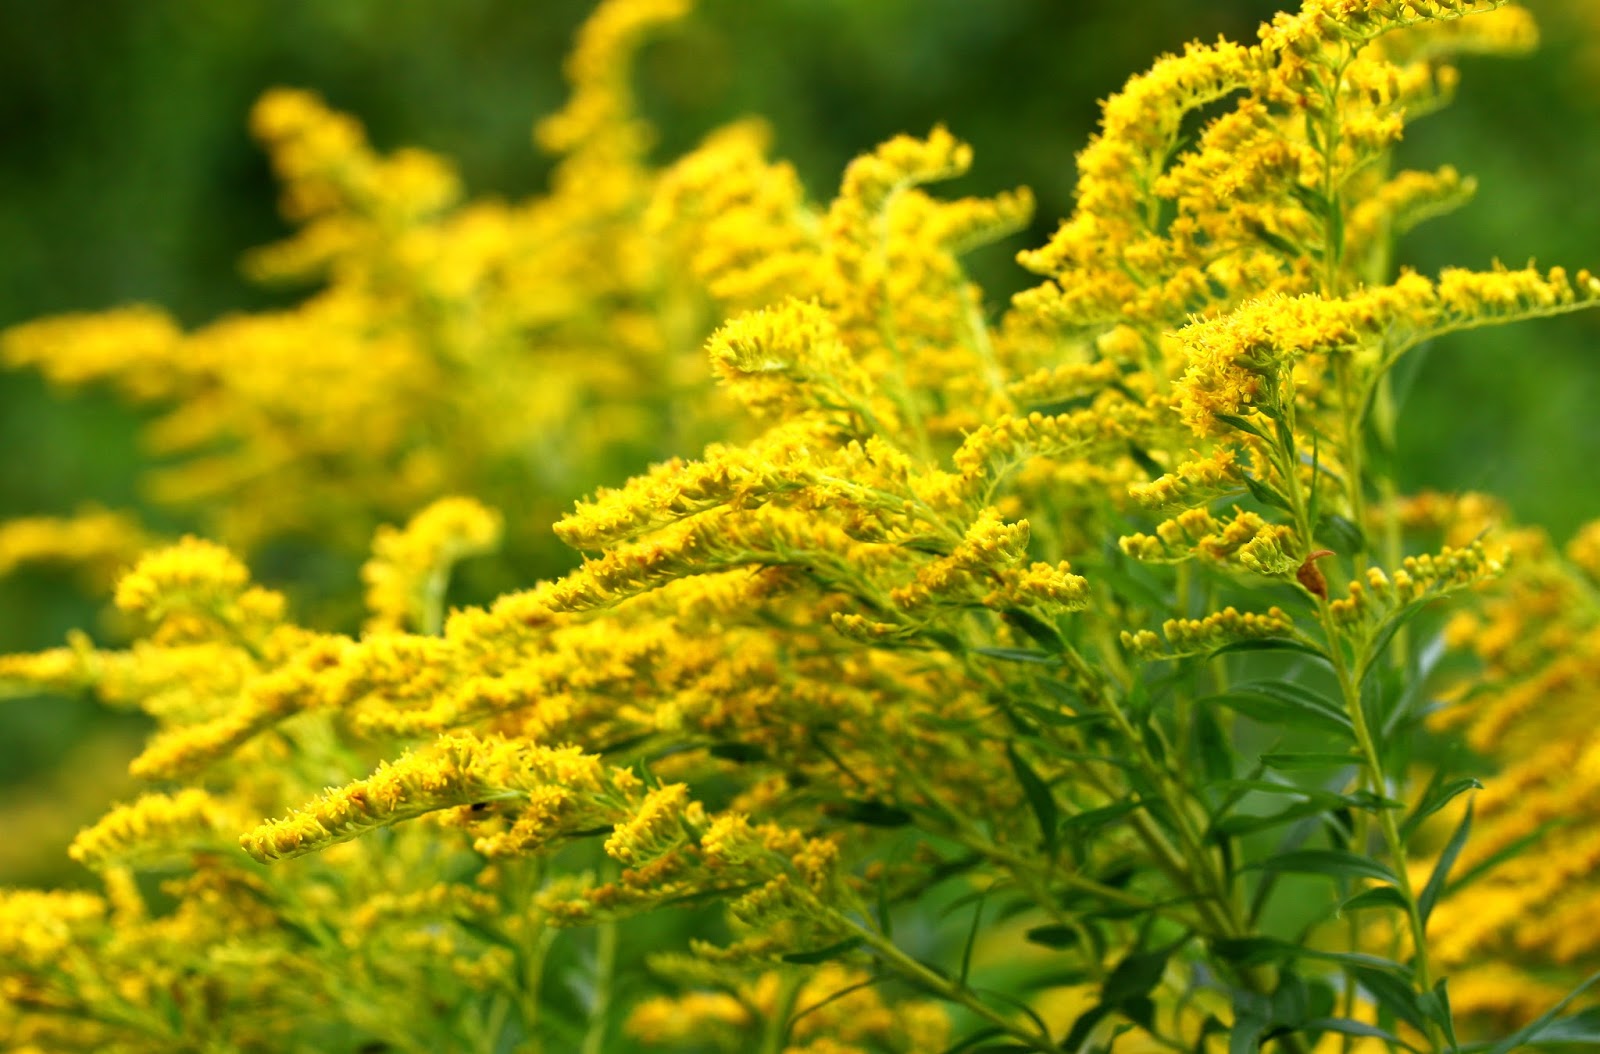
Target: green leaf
x: 1343, y: 534
x: 1091, y: 820
x: 1333, y: 863
x: 1271, y: 644
x: 1285, y: 704
x: 1038, y: 794
x: 740, y: 752
x: 1309, y: 759
x: 1153, y: 468
x: 1240, y: 824
x: 1056, y: 718
x: 1054, y: 936
x: 1508, y: 852
x: 1276, y: 241
x: 1141, y: 1011
x: 822, y: 955
x: 1582, y: 1027
x: 1436, y: 1005
x: 1027, y: 1011
x: 1533, y: 1032
x: 1255, y: 951
x: 1311, y: 200
x: 1266, y: 494
x: 1019, y: 655
x: 1243, y: 424
x: 1392, y: 992
x: 1364, y: 800
x: 1436, y: 799
x: 972, y: 939
x: 1213, y: 745
x: 968, y: 1042
x: 1376, y: 897
x: 874, y: 814
x: 1395, y: 622
x: 1441, y: 870
x: 1347, y: 1027
x: 1135, y: 976
x: 1246, y: 1035
x: 1084, y: 1025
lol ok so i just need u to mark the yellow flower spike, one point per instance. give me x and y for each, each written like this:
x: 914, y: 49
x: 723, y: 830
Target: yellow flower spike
x: 656, y: 827
x: 1054, y: 384
x: 1265, y: 554
x: 740, y: 219
x: 97, y: 542
x: 790, y: 358
x: 406, y: 576
x: 601, y: 104
x: 1193, y: 482
x: 902, y: 162
x: 460, y: 769
x: 1405, y: 200
x: 990, y: 547
x: 263, y: 701
x: 1004, y: 445
x: 190, y: 590
x: 327, y: 168
x: 154, y: 830
x: 135, y: 347
x: 1050, y: 586
x: 37, y: 927
x: 667, y: 492
x: 1194, y: 636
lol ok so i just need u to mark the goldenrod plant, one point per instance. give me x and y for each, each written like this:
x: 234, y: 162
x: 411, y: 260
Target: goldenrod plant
x: 1065, y: 676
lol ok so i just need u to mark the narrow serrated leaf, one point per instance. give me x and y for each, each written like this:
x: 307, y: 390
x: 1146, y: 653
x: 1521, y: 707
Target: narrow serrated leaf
x: 966, y: 1043
x: 1347, y: 1027
x: 1436, y: 799
x: 1309, y: 759
x: 1040, y: 799
x: 1376, y: 897
x: 1332, y: 863
x: 822, y: 955
x: 1266, y: 702
x: 1441, y: 870
x: 1266, y: 494
x: 1271, y: 644
x: 874, y: 814
x: 1532, y: 1032
x: 1392, y: 992
x: 1243, y: 424
x: 1019, y: 655
x: 1053, y: 936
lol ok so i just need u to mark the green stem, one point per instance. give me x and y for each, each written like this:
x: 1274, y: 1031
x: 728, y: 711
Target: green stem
x: 775, y: 1037
x: 945, y: 988
x: 605, y: 967
x: 1378, y: 784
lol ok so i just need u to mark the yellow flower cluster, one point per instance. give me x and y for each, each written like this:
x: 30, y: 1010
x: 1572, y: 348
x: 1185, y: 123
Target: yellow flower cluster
x: 96, y: 543
x: 156, y: 828
x: 842, y: 1015
x: 406, y: 576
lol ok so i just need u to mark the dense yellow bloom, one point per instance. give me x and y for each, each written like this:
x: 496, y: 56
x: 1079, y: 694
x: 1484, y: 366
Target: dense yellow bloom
x: 408, y: 571
x: 563, y: 787
x: 96, y: 542
x: 156, y: 828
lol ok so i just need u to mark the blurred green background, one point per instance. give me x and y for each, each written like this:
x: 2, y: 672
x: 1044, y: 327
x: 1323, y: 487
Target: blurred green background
x: 126, y: 174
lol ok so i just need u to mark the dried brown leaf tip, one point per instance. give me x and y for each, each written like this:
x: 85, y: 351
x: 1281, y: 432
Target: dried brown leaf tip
x: 1310, y: 576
